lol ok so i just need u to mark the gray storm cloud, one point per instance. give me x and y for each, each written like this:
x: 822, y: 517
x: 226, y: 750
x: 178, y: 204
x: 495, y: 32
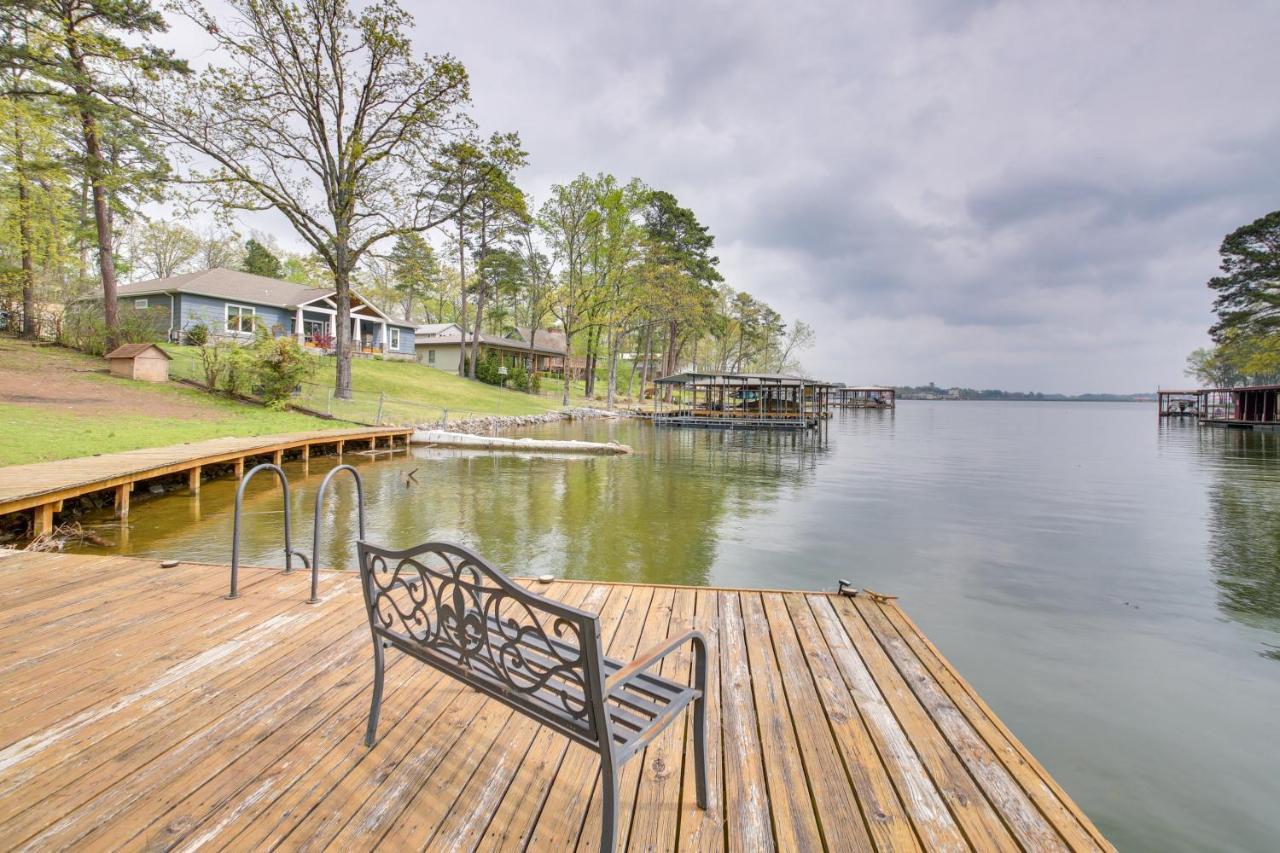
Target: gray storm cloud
x: 1001, y: 194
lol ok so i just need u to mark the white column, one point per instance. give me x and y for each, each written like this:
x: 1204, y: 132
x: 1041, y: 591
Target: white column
x: 359, y: 336
x: 297, y: 326
x: 384, y: 337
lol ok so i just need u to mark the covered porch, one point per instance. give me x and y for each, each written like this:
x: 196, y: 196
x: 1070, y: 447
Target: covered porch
x: 368, y: 330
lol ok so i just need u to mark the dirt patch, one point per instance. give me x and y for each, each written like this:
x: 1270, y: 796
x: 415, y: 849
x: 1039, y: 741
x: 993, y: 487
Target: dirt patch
x: 76, y: 384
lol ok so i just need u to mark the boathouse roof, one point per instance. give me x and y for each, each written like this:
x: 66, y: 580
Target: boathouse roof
x: 741, y: 379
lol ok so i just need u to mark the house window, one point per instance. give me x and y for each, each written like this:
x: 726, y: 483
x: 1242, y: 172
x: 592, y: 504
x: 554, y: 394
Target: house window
x: 395, y: 338
x: 431, y: 356
x: 139, y: 303
x: 240, y: 318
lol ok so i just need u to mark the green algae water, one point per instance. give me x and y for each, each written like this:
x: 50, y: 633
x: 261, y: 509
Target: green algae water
x: 1110, y: 584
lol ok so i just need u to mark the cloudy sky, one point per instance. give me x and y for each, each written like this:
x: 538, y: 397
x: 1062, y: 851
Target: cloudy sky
x: 1025, y: 195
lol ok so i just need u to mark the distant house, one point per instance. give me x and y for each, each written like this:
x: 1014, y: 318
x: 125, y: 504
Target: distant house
x: 440, y: 345
x: 232, y: 303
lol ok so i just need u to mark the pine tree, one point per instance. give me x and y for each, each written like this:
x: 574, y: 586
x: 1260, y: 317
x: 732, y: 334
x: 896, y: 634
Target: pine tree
x: 259, y: 260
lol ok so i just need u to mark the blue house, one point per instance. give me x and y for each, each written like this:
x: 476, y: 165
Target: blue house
x: 233, y: 303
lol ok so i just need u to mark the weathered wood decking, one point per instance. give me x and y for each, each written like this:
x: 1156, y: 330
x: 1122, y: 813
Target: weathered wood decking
x: 43, y: 486
x: 141, y: 710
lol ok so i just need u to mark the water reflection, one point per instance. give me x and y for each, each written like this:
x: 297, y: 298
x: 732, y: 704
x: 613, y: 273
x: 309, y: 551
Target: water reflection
x: 1244, y: 532
x: 655, y: 516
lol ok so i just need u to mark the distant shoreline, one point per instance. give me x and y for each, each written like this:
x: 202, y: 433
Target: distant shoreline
x: 1047, y: 398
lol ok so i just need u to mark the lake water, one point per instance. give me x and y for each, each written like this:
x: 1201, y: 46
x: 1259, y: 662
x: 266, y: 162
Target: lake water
x: 1110, y: 584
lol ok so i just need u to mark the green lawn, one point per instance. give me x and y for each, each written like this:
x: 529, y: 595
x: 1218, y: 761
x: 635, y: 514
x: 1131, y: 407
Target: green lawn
x: 34, y: 434
x: 414, y: 392
x: 57, y: 403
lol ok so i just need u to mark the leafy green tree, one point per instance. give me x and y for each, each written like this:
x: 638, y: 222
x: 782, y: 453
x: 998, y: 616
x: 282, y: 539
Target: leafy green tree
x: 37, y: 211
x: 260, y: 260
x: 319, y: 110
x: 79, y: 54
x: 219, y: 248
x: 494, y: 211
x: 1212, y: 367
x: 1248, y: 291
x: 414, y: 271
x: 567, y: 219
x: 161, y: 249
x: 686, y: 299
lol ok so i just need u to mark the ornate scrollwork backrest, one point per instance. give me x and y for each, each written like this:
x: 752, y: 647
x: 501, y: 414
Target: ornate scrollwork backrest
x: 446, y: 604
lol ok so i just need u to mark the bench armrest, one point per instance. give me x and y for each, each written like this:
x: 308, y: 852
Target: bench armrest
x: 657, y: 653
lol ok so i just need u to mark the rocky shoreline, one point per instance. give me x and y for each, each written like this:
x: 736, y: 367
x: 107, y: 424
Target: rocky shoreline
x: 497, y: 424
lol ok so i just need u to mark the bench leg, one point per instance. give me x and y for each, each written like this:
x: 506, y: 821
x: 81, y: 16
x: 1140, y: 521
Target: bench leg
x: 609, y: 814
x: 700, y: 748
x: 700, y: 718
x: 371, y: 733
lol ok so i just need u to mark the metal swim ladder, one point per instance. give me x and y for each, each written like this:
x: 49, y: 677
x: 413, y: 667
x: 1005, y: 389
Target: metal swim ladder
x: 290, y: 552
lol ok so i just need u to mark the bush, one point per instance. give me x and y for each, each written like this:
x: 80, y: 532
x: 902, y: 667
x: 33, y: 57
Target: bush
x: 280, y: 364
x: 197, y: 335
x: 84, y: 327
x: 489, y: 369
x: 519, y: 378
x: 269, y: 367
x: 238, y: 368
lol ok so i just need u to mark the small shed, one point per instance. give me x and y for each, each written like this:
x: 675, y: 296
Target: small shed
x: 140, y: 361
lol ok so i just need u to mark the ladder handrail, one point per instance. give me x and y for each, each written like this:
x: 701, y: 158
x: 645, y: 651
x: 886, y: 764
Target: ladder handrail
x: 289, y: 552
x: 315, y: 530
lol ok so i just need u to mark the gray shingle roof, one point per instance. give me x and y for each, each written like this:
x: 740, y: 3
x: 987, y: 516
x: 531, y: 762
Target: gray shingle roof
x: 230, y: 284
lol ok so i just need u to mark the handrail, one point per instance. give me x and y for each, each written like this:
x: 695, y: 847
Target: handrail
x: 315, y: 530
x: 289, y: 553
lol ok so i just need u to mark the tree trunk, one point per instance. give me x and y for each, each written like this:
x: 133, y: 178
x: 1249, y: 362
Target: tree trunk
x: 589, y: 379
x: 568, y: 355
x: 24, y: 233
x: 342, y: 325
x: 475, y: 335
x: 611, y: 393
x: 462, y: 303
x: 95, y: 168
x: 533, y: 356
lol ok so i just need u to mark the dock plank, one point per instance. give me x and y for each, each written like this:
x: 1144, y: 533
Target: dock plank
x: 200, y: 723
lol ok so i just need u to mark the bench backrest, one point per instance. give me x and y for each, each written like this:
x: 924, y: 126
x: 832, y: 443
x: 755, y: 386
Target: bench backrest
x: 446, y: 606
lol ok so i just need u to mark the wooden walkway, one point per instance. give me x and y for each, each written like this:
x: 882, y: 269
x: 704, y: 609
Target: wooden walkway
x: 141, y: 710
x: 43, y: 486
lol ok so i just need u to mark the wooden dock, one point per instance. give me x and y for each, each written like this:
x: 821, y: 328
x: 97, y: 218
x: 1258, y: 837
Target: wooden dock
x: 144, y: 711
x: 43, y: 486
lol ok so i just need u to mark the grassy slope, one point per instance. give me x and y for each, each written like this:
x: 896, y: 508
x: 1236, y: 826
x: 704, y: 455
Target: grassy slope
x: 52, y: 419
x: 33, y: 434
x: 428, y: 389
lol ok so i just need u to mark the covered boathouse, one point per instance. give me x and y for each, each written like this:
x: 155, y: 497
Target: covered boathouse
x: 863, y: 396
x: 744, y: 401
x: 1245, y: 406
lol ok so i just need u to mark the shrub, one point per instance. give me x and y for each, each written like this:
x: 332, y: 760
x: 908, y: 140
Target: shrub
x: 279, y: 366
x: 488, y: 369
x: 519, y: 377
x: 213, y: 362
x: 84, y: 327
x: 197, y: 335
x: 238, y: 368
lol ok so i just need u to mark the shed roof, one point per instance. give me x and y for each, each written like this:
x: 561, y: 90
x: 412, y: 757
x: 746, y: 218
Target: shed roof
x: 135, y: 350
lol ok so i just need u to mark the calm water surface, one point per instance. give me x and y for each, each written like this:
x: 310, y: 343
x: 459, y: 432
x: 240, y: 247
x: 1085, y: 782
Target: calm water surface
x: 1111, y: 585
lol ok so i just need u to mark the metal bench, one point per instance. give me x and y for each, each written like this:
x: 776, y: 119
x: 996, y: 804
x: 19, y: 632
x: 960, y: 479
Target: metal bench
x: 447, y: 607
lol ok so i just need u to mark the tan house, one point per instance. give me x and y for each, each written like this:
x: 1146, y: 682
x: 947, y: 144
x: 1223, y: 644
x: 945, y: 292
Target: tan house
x: 146, y: 362
x: 440, y: 345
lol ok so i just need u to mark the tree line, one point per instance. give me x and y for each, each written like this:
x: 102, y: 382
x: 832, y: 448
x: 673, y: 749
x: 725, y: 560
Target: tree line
x: 321, y: 111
